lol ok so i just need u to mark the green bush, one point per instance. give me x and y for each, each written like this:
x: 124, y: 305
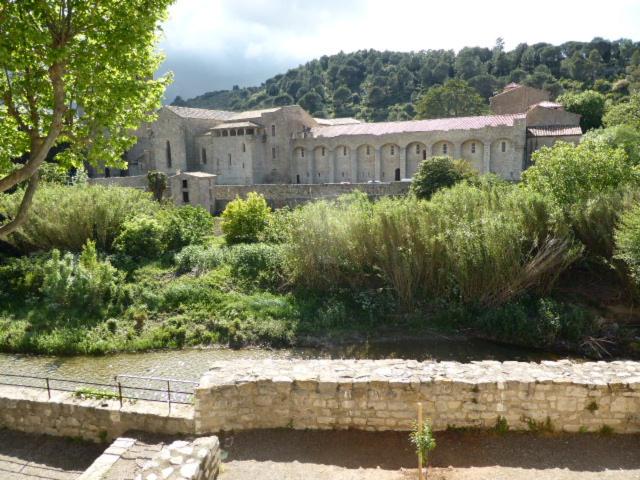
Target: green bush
x: 184, y: 226
x: 198, y: 259
x: 437, y: 173
x: 66, y: 217
x: 81, y: 282
x: 260, y: 264
x: 627, y: 241
x: 244, y: 220
x: 570, y: 174
x: 141, y: 238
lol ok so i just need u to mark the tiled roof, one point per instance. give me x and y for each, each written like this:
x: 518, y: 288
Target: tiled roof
x: 554, y: 131
x: 433, y: 125
x: 251, y: 114
x: 546, y: 104
x: 511, y: 86
x: 224, y: 126
x: 202, y: 113
x: 336, y: 121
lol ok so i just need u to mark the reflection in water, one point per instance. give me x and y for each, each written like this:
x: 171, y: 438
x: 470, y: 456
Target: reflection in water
x: 192, y: 363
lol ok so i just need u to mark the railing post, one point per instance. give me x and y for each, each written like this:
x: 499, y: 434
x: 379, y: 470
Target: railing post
x: 169, y: 394
x: 120, y: 393
x: 48, y: 388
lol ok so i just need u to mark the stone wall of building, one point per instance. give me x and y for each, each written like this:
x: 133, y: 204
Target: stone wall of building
x: 138, y: 181
x: 182, y: 460
x: 280, y: 195
x: 382, y: 395
x: 31, y: 411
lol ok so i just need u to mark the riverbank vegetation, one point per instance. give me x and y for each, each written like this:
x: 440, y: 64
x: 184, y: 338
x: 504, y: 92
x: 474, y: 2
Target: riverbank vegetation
x: 102, y: 269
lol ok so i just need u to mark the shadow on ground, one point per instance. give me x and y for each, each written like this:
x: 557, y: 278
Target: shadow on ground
x: 392, y: 450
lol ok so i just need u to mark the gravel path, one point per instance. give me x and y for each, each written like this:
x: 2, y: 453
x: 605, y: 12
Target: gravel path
x: 288, y: 455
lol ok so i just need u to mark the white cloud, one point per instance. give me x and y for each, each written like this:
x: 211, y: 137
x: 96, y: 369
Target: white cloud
x: 245, y: 41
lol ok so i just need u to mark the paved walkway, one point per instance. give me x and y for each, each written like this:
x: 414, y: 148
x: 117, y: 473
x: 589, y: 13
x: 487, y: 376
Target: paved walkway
x: 39, y: 457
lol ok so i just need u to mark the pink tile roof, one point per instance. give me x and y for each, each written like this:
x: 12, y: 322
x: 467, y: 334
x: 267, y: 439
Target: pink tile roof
x: 554, y: 131
x: 432, y: 125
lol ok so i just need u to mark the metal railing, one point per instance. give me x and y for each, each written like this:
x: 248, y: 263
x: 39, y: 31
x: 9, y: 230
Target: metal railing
x: 154, y: 389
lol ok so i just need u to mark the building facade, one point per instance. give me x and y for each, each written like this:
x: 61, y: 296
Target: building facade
x: 286, y: 145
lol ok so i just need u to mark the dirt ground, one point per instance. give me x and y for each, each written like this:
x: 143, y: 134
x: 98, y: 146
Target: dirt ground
x: 30, y: 457
x: 288, y: 455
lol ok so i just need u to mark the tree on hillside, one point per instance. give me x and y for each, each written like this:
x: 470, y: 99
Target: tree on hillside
x: 456, y: 98
x: 74, y: 72
x: 626, y: 113
x: 589, y: 104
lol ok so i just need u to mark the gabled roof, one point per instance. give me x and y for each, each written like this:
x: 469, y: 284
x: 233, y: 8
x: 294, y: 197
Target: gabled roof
x: 433, y: 125
x: 554, y: 131
x: 200, y: 113
x: 336, y: 121
x: 251, y: 114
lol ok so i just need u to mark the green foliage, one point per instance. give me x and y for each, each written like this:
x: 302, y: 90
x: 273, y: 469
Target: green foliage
x: 502, y: 426
x: 83, y: 282
x: 624, y: 113
x: 106, y: 54
x: 259, y: 264
x: 569, y: 174
x: 374, y: 85
x: 589, y: 104
x: 140, y: 238
x: 95, y: 394
x: 453, y: 99
x: 244, y: 220
x: 198, y: 259
x: 623, y: 136
x: 627, y: 241
x: 436, y: 173
x: 539, y: 426
x: 158, y: 182
x: 186, y: 225
x: 423, y: 440
x: 66, y: 217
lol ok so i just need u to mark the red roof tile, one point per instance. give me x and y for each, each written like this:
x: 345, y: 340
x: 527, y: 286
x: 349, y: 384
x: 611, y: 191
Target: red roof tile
x: 433, y: 125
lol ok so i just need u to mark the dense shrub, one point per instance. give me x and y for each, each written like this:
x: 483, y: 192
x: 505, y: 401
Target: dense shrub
x: 259, y: 264
x: 66, y: 217
x: 439, y: 172
x: 244, y: 220
x: 624, y: 136
x: 184, y: 226
x: 569, y: 174
x: 476, y: 245
x: 198, y: 259
x: 627, y: 238
x: 81, y: 282
x: 141, y: 238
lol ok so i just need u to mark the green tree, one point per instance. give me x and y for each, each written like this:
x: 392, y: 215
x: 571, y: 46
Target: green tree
x: 453, y: 99
x: 244, y: 220
x: 74, y: 72
x: 436, y: 173
x: 624, y: 113
x: 589, y: 104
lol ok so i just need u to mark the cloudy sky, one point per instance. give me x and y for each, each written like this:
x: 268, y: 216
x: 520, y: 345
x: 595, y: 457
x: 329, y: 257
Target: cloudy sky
x: 215, y: 44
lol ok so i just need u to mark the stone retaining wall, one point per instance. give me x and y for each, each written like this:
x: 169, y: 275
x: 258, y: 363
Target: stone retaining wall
x: 291, y: 195
x: 100, y: 468
x: 29, y: 410
x: 382, y: 395
x: 197, y: 460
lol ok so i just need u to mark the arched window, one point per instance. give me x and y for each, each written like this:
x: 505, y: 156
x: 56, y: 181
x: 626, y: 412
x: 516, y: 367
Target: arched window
x: 424, y: 154
x: 473, y: 147
x: 323, y: 151
x: 417, y: 149
x: 204, y: 156
x: 397, y: 174
x: 503, y: 147
x: 273, y: 130
x: 445, y: 148
x: 393, y: 150
x: 344, y: 151
x: 368, y: 150
x: 168, y: 154
x: 244, y: 148
x: 302, y: 152
x: 298, y: 178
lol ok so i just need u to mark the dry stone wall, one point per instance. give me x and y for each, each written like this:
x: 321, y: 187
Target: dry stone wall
x: 382, y: 395
x: 182, y: 460
x: 29, y: 410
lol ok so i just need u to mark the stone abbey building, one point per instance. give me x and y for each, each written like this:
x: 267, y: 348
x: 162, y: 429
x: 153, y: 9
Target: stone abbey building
x: 285, y: 145
x: 211, y: 156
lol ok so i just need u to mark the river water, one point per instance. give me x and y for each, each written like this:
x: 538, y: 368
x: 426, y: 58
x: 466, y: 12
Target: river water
x: 190, y: 364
